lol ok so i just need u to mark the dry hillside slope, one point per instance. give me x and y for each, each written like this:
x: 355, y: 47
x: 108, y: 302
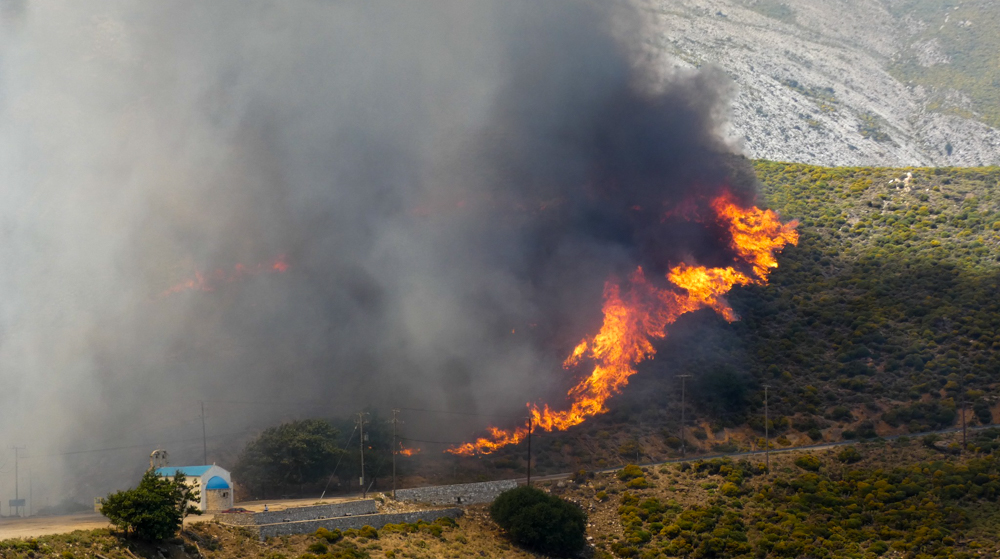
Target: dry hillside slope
x: 847, y: 82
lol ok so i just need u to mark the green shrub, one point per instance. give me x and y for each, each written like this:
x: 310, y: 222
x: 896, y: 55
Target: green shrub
x: 808, y: 462
x: 154, y: 510
x: 317, y: 547
x: 446, y: 521
x: 637, y: 483
x: 331, y: 536
x: 849, y: 455
x: 540, y: 522
x: 630, y: 472
x: 369, y: 532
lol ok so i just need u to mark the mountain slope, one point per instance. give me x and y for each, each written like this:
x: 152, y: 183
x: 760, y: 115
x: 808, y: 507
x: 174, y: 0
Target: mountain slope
x: 882, y: 320
x: 848, y: 82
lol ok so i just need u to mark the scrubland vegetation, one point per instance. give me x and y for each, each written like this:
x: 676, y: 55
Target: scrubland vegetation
x: 965, y: 37
x: 889, y: 299
x: 905, y: 499
x: 883, y: 320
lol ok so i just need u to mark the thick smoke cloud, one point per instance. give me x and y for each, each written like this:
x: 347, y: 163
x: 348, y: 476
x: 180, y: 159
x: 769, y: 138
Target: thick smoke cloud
x: 450, y: 182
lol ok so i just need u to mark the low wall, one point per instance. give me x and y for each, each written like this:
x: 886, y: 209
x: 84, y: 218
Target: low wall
x: 357, y: 522
x: 297, y: 514
x: 462, y: 494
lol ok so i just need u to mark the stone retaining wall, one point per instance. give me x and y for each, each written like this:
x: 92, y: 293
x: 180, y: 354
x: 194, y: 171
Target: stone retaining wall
x: 357, y: 522
x: 296, y: 514
x: 461, y: 494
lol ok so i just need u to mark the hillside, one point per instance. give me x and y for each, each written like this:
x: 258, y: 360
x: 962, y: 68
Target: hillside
x: 903, y: 499
x: 881, y: 321
x: 848, y: 82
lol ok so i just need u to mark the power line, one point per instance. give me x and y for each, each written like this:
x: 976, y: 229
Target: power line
x: 268, y: 403
x: 144, y: 445
x: 428, y: 442
x: 342, y: 454
x: 507, y: 417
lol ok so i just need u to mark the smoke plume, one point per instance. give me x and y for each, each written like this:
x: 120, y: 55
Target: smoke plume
x: 450, y: 184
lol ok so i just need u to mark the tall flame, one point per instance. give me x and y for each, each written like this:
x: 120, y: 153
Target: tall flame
x: 633, y: 319
x: 209, y: 281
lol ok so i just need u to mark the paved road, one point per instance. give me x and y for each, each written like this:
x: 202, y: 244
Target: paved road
x: 760, y: 453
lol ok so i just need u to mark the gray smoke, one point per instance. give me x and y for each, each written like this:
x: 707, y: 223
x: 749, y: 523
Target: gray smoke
x: 450, y: 182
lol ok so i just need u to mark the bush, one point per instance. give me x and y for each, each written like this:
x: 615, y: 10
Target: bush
x: 849, y: 455
x: 630, y: 472
x: 638, y: 483
x: 317, y: 547
x: 540, y: 522
x: 808, y: 462
x: 582, y: 476
x: 369, y: 532
x: 154, y: 510
x: 331, y: 536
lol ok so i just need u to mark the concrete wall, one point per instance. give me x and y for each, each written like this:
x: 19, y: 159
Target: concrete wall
x: 462, y: 494
x: 296, y: 514
x: 356, y: 522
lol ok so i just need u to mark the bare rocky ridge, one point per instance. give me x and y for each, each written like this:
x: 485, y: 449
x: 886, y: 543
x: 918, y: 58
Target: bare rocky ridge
x: 813, y: 84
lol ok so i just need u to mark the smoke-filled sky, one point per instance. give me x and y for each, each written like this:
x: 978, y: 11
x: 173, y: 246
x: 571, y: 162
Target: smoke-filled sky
x: 450, y: 183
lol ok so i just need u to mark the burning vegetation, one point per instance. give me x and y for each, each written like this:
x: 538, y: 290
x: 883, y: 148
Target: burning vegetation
x: 633, y: 318
x: 209, y: 281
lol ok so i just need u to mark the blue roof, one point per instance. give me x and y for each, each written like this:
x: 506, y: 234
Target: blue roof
x: 190, y: 471
x: 216, y: 483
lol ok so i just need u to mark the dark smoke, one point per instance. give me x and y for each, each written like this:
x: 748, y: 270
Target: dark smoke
x: 451, y: 183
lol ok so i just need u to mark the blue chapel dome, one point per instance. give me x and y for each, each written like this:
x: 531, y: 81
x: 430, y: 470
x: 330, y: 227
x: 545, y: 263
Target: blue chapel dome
x: 216, y: 483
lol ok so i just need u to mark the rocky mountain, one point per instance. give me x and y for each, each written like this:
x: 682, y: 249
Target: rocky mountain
x: 848, y: 82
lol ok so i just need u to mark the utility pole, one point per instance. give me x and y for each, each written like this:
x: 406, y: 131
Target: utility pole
x: 767, y: 433
x: 529, y: 447
x: 204, y: 437
x: 395, y: 447
x: 361, y: 436
x: 17, y: 479
x: 683, y: 416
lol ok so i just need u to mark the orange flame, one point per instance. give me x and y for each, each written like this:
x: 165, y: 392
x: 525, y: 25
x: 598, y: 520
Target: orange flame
x: 632, y: 320
x: 408, y: 451
x: 208, y: 282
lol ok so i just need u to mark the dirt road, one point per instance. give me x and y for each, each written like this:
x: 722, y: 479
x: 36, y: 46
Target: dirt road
x: 46, y: 525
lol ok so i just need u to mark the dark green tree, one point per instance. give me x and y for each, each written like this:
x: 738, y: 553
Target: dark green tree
x: 154, y: 510
x: 291, y: 454
x: 541, y: 522
x: 378, y: 450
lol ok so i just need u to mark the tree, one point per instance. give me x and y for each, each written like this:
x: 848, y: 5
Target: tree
x: 378, y: 449
x: 154, y: 510
x: 541, y: 522
x: 295, y: 453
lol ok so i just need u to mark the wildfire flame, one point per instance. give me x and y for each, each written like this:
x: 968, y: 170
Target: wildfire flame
x: 408, y: 451
x: 209, y: 281
x: 640, y: 314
